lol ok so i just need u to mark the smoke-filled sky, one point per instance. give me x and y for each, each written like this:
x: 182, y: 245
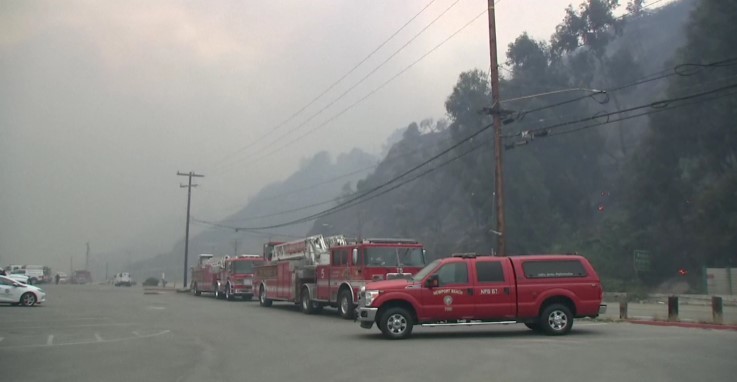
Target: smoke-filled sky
x: 102, y: 102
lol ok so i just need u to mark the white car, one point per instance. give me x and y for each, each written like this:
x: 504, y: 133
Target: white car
x: 14, y: 292
x: 123, y: 278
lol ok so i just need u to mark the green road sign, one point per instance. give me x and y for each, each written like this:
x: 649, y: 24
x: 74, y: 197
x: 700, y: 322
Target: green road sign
x: 641, y: 260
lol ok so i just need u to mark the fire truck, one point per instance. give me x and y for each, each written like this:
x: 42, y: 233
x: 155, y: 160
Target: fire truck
x: 226, y: 277
x: 318, y: 271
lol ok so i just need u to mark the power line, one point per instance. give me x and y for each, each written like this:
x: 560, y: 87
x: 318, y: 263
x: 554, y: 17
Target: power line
x: 333, y: 85
x: 677, y: 70
x: 360, y: 81
x: 370, y: 93
x: 365, y: 197
x: 247, y: 231
x: 661, y: 104
x: 527, y: 132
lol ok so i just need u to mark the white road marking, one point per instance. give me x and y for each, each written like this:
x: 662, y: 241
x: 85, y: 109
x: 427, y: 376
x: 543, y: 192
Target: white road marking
x: 97, y: 337
x: 1, y: 339
x: 89, y: 342
x: 50, y: 340
x: 71, y: 326
x: 55, y: 320
x: 135, y: 333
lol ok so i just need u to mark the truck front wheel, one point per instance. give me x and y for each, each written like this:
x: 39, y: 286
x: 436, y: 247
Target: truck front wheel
x: 556, y: 319
x: 262, y: 300
x: 396, y: 323
x: 346, y: 308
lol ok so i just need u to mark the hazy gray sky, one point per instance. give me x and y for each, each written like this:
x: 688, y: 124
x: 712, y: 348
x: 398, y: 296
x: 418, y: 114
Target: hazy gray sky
x: 102, y: 102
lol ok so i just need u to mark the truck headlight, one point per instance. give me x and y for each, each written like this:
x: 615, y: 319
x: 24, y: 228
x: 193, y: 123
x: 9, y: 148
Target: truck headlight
x: 370, y: 296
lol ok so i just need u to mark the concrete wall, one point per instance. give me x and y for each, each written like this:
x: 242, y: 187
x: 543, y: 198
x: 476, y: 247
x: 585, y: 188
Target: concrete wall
x: 721, y: 281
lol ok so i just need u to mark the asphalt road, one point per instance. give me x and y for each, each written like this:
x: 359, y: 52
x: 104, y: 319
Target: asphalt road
x: 103, y: 333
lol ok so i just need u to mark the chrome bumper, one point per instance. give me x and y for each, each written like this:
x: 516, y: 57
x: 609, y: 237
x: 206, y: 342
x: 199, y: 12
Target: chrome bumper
x: 602, y: 309
x: 367, y: 316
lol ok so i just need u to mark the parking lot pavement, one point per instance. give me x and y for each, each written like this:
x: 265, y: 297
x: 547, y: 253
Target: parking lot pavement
x: 103, y: 333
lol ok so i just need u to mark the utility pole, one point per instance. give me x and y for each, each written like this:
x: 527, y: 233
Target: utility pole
x: 87, y: 258
x: 496, y: 114
x: 189, y: 199
x: 235, y: 248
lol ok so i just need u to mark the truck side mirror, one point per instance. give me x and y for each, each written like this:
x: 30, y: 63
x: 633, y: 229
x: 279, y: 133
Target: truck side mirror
x: 432, y: 281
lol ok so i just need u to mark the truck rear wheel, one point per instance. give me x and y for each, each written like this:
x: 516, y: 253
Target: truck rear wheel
x: 307, y: 305
x: 346, y: 308
x: 262, y: 300
x: 396, y: 323
x: 556, y: 319
x: 196, y: 291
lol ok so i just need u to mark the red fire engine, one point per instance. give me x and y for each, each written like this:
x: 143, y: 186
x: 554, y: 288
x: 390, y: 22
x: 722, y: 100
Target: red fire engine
x: 329, y: 271
x: 226, y: 277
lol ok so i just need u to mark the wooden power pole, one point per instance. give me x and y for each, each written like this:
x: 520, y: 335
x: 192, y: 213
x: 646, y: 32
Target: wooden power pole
x: 189, y: 199
x: 496, y: 114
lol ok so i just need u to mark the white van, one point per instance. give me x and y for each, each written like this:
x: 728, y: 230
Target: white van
x: 122, y: 279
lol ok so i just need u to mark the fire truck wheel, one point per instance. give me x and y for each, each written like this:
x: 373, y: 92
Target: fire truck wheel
x: 346, y: 308
x: 195, y: 290
x: 396, y: 323
x: 556, y: 319
x: 262, y: 300
x: 308, y: 307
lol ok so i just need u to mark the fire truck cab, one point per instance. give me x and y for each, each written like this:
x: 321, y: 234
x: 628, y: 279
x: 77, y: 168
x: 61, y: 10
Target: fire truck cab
x: 318, y: 272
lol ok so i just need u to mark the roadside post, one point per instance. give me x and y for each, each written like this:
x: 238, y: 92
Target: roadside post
x: 717, y: 309
x: 673, y: 308
x: 623, y: 306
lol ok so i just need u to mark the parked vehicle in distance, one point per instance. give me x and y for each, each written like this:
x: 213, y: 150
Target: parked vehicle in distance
x: 81, y: 277
x: 122, y: 279
x: 16, y: 293
x: 544, y: 292
x: 226, y: 277
x: 38, y: 274
x: 63, y: 278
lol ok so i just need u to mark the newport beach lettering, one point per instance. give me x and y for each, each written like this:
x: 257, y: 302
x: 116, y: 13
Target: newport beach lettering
x: 446, y: 291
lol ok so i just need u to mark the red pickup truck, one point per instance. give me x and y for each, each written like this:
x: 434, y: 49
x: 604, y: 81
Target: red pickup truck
x: 544, y: 292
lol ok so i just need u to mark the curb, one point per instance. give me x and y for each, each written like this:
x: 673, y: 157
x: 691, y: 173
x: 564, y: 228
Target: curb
x: 685, y: 324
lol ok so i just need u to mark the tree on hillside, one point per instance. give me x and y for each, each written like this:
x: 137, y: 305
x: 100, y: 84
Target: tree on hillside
x: 683, y: 186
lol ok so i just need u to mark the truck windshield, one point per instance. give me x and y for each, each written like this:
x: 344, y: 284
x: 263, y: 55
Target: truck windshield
x: 243, y: 266
x: 426, y: 271
x: 394, y: 257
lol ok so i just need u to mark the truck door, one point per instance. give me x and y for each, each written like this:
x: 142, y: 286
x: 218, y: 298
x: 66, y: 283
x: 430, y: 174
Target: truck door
x: 454, y: 298
x: 496, y: 295
x: 338, y: 270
